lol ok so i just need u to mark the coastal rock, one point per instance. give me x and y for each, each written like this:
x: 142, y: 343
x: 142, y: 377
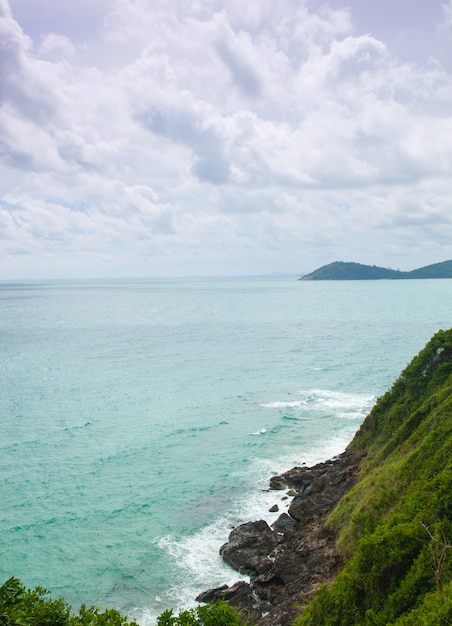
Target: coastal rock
x: 284, y: 524
x: 277, y: 483
x: 289, y: 561
x: 250, y: 548
x: 213, y: 594
x: 242, y: 597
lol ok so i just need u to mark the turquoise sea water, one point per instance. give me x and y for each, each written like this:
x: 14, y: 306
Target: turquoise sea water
x: 141, y: 420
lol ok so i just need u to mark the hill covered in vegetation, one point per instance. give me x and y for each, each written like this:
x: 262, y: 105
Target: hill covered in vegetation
x: 340, y: 270
x: 394, y: 527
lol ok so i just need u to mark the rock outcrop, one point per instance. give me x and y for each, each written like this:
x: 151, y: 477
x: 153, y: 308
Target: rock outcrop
x: 289, y: 561
x: 394, y: 527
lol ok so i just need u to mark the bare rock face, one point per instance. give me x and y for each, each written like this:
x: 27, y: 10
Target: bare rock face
x: 250, y: 548
x: 285, y: 525
x: 242, y: 597
x: 288, y: 562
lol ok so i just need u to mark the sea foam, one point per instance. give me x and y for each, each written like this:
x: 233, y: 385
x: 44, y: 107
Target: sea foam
x: 196, y: 558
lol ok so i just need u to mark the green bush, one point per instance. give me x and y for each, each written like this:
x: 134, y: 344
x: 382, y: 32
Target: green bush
x: 435, y: 610
x: 22, y: 607
x: 217, y: 614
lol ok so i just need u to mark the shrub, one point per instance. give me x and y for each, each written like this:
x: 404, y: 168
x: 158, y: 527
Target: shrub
x: 217, y: 614
x: 22, y: 607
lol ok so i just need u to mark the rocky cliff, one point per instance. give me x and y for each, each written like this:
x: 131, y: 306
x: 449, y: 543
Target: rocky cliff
x: 368, y: 535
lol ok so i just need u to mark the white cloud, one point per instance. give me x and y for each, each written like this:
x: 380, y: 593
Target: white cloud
x: 218, y: 132
x: 447, y: 14
x: 55, y: 47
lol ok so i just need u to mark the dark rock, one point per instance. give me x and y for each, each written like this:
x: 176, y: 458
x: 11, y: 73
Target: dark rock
x: 277, y: 483
x: 306, y: 508
x: 211, y: 594
x: 242, y: 597
x: 274, y: 509
x: 284, y: 524
x: 250, y: 547
x: 288, y: 564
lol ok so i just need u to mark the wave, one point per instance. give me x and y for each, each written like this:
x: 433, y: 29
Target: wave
x: 195, y: 559
x: 337, y: 403
x: 291, y: 418
x: 192, y: 430
x: 262, y: 431
x: 296, y: 404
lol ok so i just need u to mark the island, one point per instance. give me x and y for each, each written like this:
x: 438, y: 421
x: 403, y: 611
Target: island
x: 340, y: 270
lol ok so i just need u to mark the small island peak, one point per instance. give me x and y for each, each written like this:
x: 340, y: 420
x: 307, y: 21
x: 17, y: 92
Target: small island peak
x: 343, y: 270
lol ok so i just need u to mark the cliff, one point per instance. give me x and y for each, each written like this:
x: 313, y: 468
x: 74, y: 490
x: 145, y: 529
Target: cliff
x: 368, y: 536
x: 340, y: 270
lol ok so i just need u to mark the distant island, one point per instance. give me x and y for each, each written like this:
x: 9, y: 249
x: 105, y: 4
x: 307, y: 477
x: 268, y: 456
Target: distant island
x: 340, y: 270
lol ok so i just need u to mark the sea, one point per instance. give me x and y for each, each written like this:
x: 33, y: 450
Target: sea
x: 141, y: 420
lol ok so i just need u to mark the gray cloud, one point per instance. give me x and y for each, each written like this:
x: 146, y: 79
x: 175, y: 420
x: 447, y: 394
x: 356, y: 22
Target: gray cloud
x: 80, y: 21
x: 210, y: 163
x: 243, y: 74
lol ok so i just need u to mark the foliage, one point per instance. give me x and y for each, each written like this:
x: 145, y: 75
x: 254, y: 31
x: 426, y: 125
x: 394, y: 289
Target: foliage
x: 435, y: 610
x: 11, y: 603
x: 395, y: 526
x: 437, y: 270
x: 338, y: 270
x: 217, y: 614
x: 22, y: 607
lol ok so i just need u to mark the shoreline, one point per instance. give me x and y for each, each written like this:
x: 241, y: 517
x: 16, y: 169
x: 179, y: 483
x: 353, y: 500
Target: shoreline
x: 292, y: 558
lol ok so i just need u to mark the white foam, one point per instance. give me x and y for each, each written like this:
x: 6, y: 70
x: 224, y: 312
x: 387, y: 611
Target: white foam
x: 197, y: 557
x: 199, y: 566
x: 262, y: 431
x: 197, y: 561
x: 282, y: 405
x: 339, y: 403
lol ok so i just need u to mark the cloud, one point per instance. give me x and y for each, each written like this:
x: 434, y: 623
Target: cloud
x: 185, y: 130
x: 55, y: 47
x: 447, y: 14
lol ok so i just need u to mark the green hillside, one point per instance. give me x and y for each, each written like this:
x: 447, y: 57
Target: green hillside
x: 437, y: 270
x: 395, y: 526
x: 340, y: 270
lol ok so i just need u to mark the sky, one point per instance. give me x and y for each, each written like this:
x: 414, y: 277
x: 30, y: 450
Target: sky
x: 172, y: 138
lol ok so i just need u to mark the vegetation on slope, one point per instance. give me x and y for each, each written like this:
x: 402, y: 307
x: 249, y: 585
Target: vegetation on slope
x: 217, y: 614
x: 340, y: 270
x: 20, y: 606
x: 437, y: 270
x: 395, y: 526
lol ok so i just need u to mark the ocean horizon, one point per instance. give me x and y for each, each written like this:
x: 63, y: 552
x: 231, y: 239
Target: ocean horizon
x: 143, y: 418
